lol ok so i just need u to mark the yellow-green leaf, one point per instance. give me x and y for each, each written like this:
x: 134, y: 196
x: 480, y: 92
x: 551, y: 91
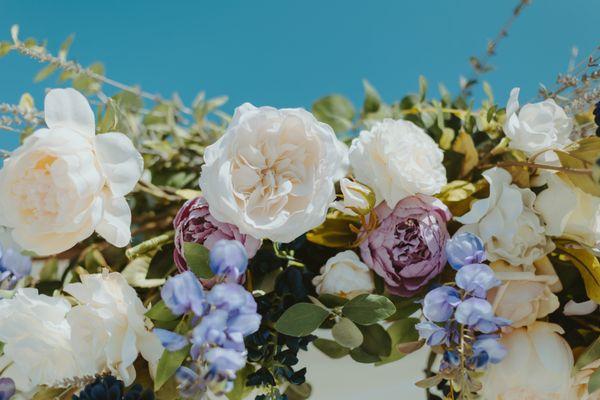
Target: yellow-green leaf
x: 335, y: 231
x: 464, y: 145
x: 584, y: 182
x: 588, y: 266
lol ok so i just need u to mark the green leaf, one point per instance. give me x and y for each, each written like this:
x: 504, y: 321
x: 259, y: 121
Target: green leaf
x: 298, y: 392
x: 422, y: 87
x: 367, y: 309
x: 331, y: 300
x: 331, y: 348
x: 168, y: 364
x: 376, y: 340
x: 594, y: 382
x: 240, y: 391
x: 5, y: 47
x: 402, y: 331
x: 346, y: 333
x: 582, y: 181
x: 160, y: 312
x: 197, y: 258
x: 592, y: 353
x: 301, y: 319
x: 334, y: 110
x: 45, y: 72
x: 372, y: 98
x: 162, y: 262
x: 360, y: 355
x: 588, y: 266
x: 335, y: 232
x: 404, y: 308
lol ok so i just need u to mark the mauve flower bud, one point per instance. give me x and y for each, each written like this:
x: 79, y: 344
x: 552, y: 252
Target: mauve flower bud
x: 195, y: 224
x: 439, y: 304
x: 464, y: 249
x: 228, y: 258
x: 407, y: 248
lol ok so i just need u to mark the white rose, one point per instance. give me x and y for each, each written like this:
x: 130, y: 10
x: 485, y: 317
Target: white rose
x: 344, y: 275
x: 63, y: 183
x: 536, y: 127
x: 569, y: 212
x: 108, y: 327
x: 506, y: 222
x: 272, y: 173
x: 36, y: 337
x: 537, y: 366
x: 524, y: 296
x: 397, y: 159
x: 358, y: 199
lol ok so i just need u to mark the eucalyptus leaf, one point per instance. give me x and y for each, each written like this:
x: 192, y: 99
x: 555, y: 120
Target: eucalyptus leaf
x: 331, y: 348
x: 367, y: 309
x: 197, y: 258
x: 301, y: 319
x: 402, y: 331
x: 347, y: 334
x: 376, y: 340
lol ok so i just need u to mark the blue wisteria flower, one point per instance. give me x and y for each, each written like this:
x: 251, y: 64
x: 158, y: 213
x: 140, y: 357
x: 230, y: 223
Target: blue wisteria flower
x: 7, y: 388
x: 183, y: 293
x: 464, y: 249
x: 478, y: 314
x: 487, y: 349
x: 229, y: 259
x: 432, y: 333
x: 439, y: 303
x: 13, y: 267
x: 476, y: 279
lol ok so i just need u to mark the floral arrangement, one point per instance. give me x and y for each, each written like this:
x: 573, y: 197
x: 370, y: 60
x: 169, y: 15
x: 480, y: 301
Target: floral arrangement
x: 156, y: 250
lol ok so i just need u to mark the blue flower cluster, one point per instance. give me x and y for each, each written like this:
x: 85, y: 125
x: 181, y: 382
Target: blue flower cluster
x: 449, y: 310
x: 13, y: 267
x: 220, y: 318
x: 7, y: 388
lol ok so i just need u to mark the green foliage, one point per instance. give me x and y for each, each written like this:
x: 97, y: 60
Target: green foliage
x: 197, y: 258
x: 347, y: 334
x: 301, y: 319
x: 336, y: 111
x: 331, y: 348
x: 160, y: 312
x: 368, y: 309
x: 168, y: 364
x: 402, y: 331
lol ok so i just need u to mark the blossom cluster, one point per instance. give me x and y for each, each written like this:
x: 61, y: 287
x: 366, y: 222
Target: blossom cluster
x: 219, y: 320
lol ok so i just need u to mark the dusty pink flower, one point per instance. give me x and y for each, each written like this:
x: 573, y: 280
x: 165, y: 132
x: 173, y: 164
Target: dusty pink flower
x: 407, y: 248
x: 194, y: 223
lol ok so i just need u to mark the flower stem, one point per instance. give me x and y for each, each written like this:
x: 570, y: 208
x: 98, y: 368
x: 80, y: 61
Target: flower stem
x: 149, y: 245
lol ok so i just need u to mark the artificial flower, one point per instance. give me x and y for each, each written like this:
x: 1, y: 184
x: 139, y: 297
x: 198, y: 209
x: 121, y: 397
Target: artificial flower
x: 537, y: 127
x: 13, y: 267
x: 397, y: 159
x: 582, y: 379
x: 344, y: 275
x: 439, y: 303
x: 524, y: 296
x: 37, y: 340
x: 108, y: 327
x: 64, y: 182
x: 506, y: 222
x: 357, y: 199
x: 583, y: 308
x: 407, y: 248
x: 432, y: 333
x: 7, y: 388
x: 487, y: 349
x: 478, y: 314
x: 272, y: 173
x: 195, y: 224
x: 537, y: 366
x: 476, y: 279
x: 464, y: 249
x: 569, y: 212
x: 182, y: 293
x: 228, y: 258
x: 109, y: 387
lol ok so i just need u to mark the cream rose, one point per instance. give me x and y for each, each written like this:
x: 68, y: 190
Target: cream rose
x: 36, y: 337
x: 568, y: 211
x: 272, y: 173
x: 397, y: 159
x: 64, y: 182
x: 358, y: 199
x: 108, y: 327
x: 536, y: 127
x: 344, y: 275
x: 506, y: 222
x: 524, y: 296
x: 537, y: 366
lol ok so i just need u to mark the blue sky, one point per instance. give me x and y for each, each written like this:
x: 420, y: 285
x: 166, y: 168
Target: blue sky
x: 287, y: 54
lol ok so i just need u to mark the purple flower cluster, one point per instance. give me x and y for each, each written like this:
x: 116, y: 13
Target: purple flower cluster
x: 194, y: 223
x: 7, y: 388
x: 13, y: 267
x: 219, y: 320
x: 449, y: 310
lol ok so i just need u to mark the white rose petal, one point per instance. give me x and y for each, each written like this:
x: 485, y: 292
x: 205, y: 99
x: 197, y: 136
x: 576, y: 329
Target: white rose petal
x: 583, y: 308
x: 108, y: 326
x: 397, y: 159
x: 357, y: 197
x: 36, y: 339
x: 506, y: 222
x: 537, y: 366
x: 569, y: 212
x: 272, y: 173
x: 53, y: 188
x: 344, y: 275
x: 537, y: 127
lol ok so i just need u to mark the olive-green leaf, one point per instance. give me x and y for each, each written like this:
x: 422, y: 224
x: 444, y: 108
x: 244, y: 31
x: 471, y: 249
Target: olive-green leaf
x: 590, y: 354
x: 160, y: 312
x: 402, y: 331
x: 197, y: 258
x: 346, y: 333
x: 301, y: 319
x: 594, y: 382
x: 376, y: 340
x: 168, y: 364
x: 331, y: 348
x: 336, y: 111
x: 367, y: 309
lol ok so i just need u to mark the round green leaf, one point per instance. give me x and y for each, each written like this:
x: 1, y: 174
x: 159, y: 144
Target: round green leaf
x: 346, y: 333
x: 331, y: 348
x: 197, y: 258
x: 301, y: 319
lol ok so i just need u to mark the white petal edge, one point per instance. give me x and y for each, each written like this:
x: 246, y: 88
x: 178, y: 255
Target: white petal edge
x: 121, y: 163
x: 116, y: 220
x: 67, y: 108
